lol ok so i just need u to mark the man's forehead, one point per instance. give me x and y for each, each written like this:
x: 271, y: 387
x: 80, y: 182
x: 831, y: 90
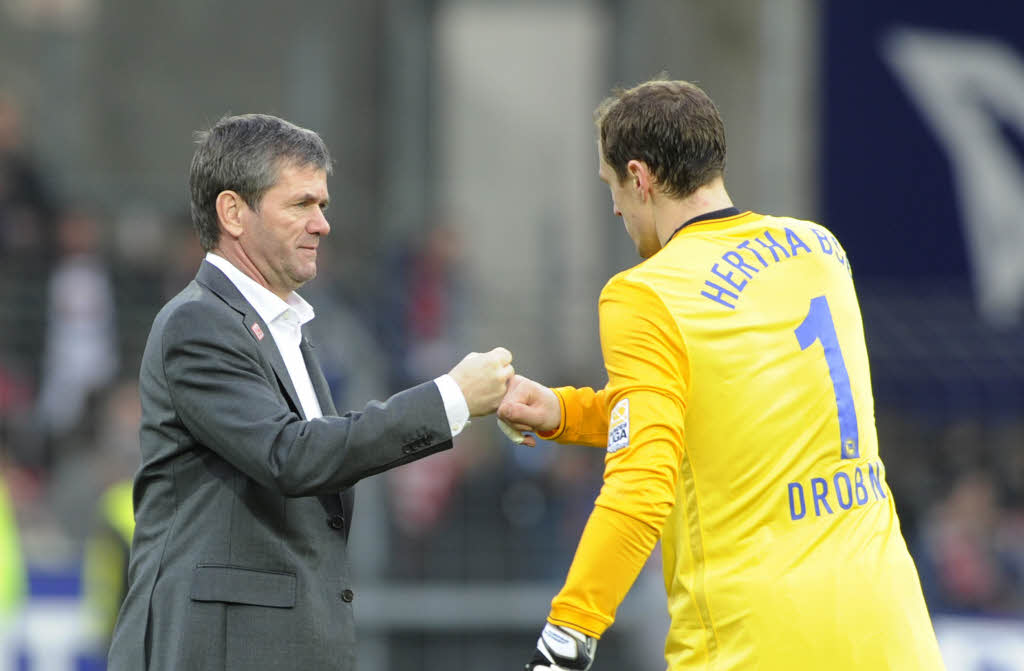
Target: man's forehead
x: 306, y: 176
x: 297, y: 168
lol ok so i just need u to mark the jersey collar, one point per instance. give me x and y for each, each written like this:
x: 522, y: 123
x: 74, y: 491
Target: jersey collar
x: 707, y: 216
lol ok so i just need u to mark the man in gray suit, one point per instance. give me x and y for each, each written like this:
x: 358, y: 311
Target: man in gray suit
x: 244, y: 497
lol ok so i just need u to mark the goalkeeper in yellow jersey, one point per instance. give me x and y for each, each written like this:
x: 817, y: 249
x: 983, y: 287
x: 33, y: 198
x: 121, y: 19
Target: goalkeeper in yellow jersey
x: 738, y: 424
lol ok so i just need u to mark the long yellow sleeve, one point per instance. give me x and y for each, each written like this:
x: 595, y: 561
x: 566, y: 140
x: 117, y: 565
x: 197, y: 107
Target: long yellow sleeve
x: 612, y: 550
x: 639, y: 418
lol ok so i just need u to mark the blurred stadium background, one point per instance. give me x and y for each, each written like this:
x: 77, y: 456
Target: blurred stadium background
x: 466, y: 213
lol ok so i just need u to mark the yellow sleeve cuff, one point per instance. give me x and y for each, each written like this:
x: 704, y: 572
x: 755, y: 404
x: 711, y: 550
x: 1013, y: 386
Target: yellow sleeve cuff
x: 560, y: 429
x: 584, y: 419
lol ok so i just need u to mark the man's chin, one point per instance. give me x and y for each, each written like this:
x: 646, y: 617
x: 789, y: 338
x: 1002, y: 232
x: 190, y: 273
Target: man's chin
x: 303, y: 276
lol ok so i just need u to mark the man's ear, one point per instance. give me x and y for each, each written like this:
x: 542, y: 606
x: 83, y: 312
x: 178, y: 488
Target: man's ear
x: 230, y: 206
x: 640, y: 178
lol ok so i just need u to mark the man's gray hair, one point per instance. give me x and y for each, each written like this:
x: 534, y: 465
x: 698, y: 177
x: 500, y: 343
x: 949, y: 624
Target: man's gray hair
x: 245, y: 154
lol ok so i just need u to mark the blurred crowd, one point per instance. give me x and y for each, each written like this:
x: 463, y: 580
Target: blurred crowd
x: 959, y: 487
x: 79, y: 286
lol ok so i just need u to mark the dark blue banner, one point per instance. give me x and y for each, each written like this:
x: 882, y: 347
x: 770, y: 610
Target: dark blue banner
x: 923, y: 143
x: 923, y: 183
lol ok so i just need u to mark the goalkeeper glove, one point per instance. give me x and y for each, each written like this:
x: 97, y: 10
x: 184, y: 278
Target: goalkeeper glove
x: 562, y: 649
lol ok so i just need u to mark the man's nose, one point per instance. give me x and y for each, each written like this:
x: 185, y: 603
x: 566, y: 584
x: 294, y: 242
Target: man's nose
x: 319, y: 223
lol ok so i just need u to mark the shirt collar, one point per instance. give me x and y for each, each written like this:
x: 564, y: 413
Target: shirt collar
x: 267, y: 304
x: 716, y: 214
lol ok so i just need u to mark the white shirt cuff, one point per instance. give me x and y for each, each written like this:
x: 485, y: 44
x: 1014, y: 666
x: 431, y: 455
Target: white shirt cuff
x: 454, y: 403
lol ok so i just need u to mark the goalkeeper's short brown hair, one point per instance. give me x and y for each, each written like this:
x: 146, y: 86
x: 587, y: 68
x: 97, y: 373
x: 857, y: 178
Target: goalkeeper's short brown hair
x: 672, y: 126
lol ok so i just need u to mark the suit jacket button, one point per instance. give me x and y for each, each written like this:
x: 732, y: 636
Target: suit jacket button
x: 347, y: 595
x: 336, y: 521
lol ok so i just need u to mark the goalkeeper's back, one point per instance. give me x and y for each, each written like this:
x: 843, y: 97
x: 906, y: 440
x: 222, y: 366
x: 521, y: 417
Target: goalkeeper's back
x: 783, y: 550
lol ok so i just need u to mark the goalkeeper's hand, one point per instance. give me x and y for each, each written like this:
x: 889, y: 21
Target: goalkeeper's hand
x: 562, y: 649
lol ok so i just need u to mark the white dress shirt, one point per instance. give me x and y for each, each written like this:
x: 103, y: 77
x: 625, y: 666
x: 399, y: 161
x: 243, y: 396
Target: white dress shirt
x: 285, y: 319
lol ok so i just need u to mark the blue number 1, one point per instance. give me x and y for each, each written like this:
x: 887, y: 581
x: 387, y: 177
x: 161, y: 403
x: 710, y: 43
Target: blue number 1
x: 818, y: 325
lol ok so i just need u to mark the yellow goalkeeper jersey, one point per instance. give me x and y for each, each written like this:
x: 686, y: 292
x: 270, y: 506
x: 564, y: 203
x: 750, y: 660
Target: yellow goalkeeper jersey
x: 739, y: 426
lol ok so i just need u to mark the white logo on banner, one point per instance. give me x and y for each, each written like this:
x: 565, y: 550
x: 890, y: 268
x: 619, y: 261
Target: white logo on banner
x: 962, y: 86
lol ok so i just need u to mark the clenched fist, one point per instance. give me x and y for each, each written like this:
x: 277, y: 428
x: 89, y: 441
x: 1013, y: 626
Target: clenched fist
x: 483, y: 379
x: 530, y: 406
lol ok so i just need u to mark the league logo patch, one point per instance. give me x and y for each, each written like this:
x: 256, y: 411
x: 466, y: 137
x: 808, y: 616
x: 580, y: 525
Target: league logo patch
x: 618, y: 426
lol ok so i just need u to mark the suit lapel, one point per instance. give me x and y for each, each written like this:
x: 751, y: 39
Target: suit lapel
x: 268, y: 347
x: 345, y: 501
x: 316, y: 376
x: 212, y: 278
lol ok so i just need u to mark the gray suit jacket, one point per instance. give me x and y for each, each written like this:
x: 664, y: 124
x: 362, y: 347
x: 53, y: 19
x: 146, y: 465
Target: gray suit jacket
x: 242, y: 507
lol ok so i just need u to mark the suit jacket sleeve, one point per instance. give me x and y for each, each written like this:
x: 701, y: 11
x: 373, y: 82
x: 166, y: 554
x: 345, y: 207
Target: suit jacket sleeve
x: 228, y: 398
